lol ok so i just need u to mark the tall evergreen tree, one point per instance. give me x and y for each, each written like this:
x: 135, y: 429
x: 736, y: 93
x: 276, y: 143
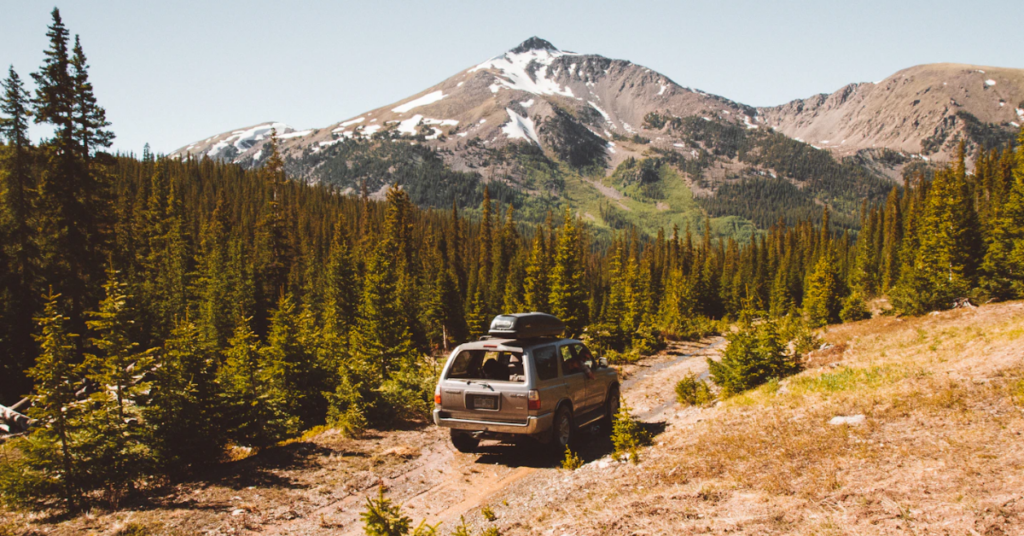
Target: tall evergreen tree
x: 113, y: 433
x: 19, y: 256
x: 52, y: 451
x: 293, y: 363
x: 90, y: 120
x: 254, y: 395
x: 568, y: 296
x: 186, y: 410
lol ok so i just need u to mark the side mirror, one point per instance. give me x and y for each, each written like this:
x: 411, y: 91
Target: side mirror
x: 603, y: 361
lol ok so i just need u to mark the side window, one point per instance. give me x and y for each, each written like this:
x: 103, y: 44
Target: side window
x: 583, y: 354
x: 545, y: 363
x: 570, y: 365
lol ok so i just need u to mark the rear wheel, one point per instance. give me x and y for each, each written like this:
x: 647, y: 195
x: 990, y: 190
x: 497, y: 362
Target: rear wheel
x: 464, y: 442
x: 611, y: 407
x: 562, y: 431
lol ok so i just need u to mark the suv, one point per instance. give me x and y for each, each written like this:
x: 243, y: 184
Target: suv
x: 524, y: 381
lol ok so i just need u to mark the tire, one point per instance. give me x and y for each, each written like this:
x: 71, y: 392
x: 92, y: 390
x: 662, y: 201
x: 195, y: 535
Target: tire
x: 464, y: 442
x: 611, y: 407
x: 563, y: 431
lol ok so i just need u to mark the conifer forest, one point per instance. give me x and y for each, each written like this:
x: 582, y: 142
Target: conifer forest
x: 156, y: 311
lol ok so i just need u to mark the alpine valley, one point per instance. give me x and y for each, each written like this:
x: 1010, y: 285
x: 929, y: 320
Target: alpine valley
x: 624, y: 145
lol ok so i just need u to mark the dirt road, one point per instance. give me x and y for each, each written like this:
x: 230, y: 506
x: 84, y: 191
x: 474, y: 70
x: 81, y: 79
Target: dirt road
x: 442, y: 485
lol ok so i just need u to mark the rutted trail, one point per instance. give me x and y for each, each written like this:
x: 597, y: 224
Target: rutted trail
x: 442, y: 485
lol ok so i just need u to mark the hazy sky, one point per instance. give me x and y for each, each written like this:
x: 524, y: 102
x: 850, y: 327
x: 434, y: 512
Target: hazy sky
x: 173, y: 72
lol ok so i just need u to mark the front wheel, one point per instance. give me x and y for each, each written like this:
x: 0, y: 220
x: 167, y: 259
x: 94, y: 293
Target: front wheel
x: 464, y: 442
x: 611, y: 408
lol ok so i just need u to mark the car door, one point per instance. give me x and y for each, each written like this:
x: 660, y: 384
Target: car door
x: 595, y: 385
x: 575, y: 381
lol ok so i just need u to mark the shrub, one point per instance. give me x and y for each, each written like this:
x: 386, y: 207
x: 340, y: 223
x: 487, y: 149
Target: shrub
x: 382, y: 518
x: 488, y: 513
x: 854, y: 308
x: 755, y: 355
x: 692, y: 391
x: 628, y: 436
x: 571, y: 462
x: 645, y: 341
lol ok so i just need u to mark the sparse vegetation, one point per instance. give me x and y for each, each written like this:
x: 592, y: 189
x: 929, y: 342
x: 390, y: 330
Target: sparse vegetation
x: 755, y: 355
x: 571, y: 462
x: 692, y: 391
x: 628, y: 436
x: 383, y: 518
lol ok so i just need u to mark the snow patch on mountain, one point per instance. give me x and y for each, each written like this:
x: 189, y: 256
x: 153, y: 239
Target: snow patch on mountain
x: 520, y: 127
x: 604, y: 114
x: 298, y: 134
x: 515, y: 69
x: 409, y: 125
x: 429, y: 98
x: 246, y: 138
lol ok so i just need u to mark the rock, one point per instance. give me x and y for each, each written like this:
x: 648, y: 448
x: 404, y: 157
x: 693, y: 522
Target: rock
x: 238, y: 511
x: 851, y: 420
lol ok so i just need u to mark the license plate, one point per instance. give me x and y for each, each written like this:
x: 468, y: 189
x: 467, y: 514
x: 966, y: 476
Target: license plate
x: 485, y: 402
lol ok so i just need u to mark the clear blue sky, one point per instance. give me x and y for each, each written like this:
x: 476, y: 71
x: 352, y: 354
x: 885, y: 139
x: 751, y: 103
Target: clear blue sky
x: 173, y: 72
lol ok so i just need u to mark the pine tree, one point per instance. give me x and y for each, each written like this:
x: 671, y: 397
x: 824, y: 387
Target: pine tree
x: 947, y: 257
x: 72, y: 194
x: 90, y: 119
x: 293, y: 363
x: 568, y: 296
x: 754, y: 356
x: 52, y: 450
x: 186, y: 409
x: 535, y: 285
x: 114, y: 431
x: 212, y: 282
x: 255, y: 398
x: 1002, y: 270
x: 19, y: 256
x: 823, y: 294
x: 893, y: 236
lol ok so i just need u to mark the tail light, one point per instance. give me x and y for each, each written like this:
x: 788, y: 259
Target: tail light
x: 437, y: 395
x: 533, y: 400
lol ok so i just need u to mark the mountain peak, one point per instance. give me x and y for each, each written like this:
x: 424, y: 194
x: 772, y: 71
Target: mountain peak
x: 533, y: 43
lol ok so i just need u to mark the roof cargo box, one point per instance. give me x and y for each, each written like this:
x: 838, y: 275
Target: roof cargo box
x: 526, y: 326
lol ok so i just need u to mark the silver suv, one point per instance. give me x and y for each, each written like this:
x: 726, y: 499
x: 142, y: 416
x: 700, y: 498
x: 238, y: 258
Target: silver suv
x: 524, y: 382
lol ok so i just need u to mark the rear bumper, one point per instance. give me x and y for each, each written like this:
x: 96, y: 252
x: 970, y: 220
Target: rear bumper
x: 534, y: 424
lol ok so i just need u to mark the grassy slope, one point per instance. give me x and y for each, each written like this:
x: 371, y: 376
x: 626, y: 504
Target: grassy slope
x: 677, y: 207
x: 941, y: 451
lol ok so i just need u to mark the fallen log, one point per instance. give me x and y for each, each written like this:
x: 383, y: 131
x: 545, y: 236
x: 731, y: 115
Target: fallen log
x: 13, y: 422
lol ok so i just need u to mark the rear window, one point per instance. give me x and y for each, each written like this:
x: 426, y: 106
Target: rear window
x: 547, y: 365
x: 488, y: 365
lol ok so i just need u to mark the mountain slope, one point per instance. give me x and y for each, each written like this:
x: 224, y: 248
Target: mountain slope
x: 509, y: 98
x: 924, y: 110
x: 624, y: 145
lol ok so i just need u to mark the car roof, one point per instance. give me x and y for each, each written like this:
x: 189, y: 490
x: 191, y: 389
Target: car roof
x: 511, y: 344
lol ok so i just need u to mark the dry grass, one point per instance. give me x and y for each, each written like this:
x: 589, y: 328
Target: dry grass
x: 940, y: 450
